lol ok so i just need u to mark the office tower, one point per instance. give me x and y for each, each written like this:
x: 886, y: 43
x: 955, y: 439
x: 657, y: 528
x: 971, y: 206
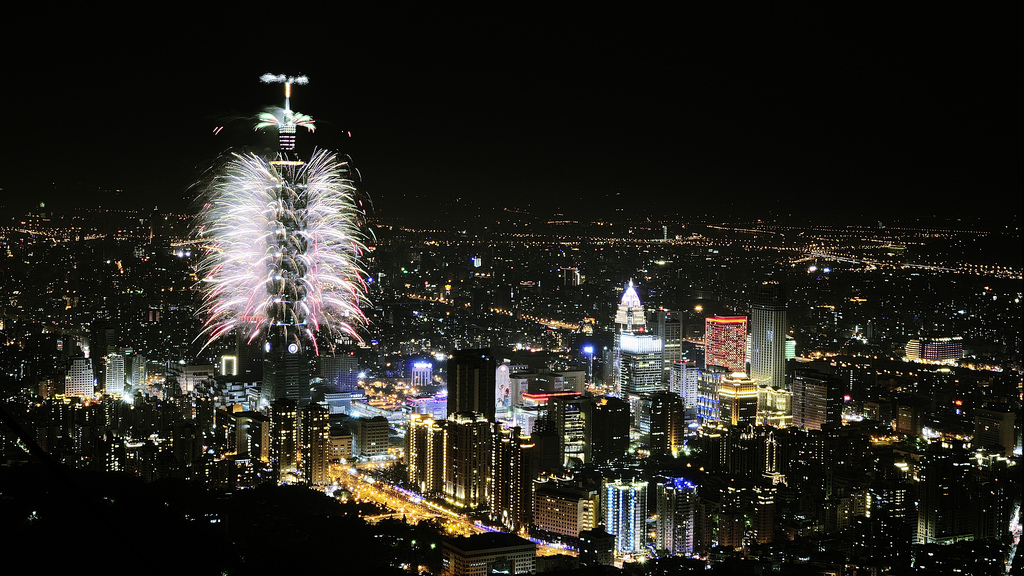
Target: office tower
x: 708, y: 383
x: 668, y: 424
x: 685, y: 381
x: 512, y: 474
x: 768, y: 327
x: 422, y: 374
x: 640, y: 364
x: 670, y: 330
x: 424, y: 454
x: 725, y: 342
x: 994, y: 429
x: 284, y: 439
x: 80, y: 380
x: 943, y: 499
x: 471, y: 383
x: 467, y: 452
x: 573, y: 424
x: 139, y: 372
x: 563, y: 510
x: 115, y: 374
x: 624, y: 506
x: 676, y: 507
x: 197, y: 378
x: 372, y: 436
x: 340, y: 372
x: 316, y: 433
x: 610, y: 432
x: 737, y: 397
x: 817, y: 400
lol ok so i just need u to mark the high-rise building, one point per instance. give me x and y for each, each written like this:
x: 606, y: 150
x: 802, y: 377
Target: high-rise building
x: 573, y: 424
x: 471, y: 382
x: 676, y: 507
x: 768, y: 327
x: 670, y: 330
x: 708, y: 383
x: 490, y: 553
x: 774, y: 406
x: 640, y: 364
x: 995, y: 429
x: 140, y: 372
x: 372, y: 436
x: 725, y: 342
x: 563, y: 509
x: 340, y: 372
x: 424, y: 454
x: 284, y: 438
x: 512, y: 474
x: 737, y: 396
x: 817, y: 400
x: 467, y: 453
x: 685, y: 381
x: 610, y: 432
x: 80, y: 380
x: 668, y: 423
x: 630, y: 317
x: 115, y: 374
x: 316, y: 442
x: 624, y: 506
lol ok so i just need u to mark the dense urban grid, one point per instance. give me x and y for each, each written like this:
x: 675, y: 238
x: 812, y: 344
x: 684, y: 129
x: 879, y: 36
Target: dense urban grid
x: 285, y: 380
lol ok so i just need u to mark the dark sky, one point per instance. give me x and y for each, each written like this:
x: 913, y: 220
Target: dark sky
x: 752, y: 109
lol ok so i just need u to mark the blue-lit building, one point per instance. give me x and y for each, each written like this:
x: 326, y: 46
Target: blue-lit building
x: 624, y: 504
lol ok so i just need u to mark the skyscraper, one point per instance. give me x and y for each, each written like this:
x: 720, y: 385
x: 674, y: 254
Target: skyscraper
x: 676, y: 506
x: 725, y: 342
x: 467, y: 454
x: 471, y: 382
x: 115, y: 374
x: 624, y: 506
x: 737, y: 396
x: 768, y: 326
x: 315, y: 444
x: 639, y: 364
x: 80, y: 380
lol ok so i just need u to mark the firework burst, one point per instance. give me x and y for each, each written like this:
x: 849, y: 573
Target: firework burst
x: 283, y: 240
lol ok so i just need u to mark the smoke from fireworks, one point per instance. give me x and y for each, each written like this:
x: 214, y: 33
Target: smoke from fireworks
x: 284, y: 239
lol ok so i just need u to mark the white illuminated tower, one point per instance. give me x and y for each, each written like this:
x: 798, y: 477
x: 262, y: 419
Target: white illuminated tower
x: 624, y: 503
x: 768, y: 326
x: 637, y: 356
x: 115, y: 374
x: 80, y: 380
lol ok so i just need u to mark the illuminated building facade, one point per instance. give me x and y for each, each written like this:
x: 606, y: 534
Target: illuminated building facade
x: 708, y: 383
x: 79, y: 380
x: 668, y: 423
x: 490, y: 553
x: 817, y: 400
x: 725, y: 342
x: 284, y: 439
x: 624, y: 506
x: 573, y: 419
x: 512, y: 473
x: 768, y: 327
x: 424, y: 454
x: 316, y: 444
x: 640, y: 364
x: 422, y: 374
x: 935, y: 349
x: 737, y: 396
x: 676, y: 507
x: 467, y: 459
x: 115, y: 374
x: 562, y: 509
x: 774, y: 406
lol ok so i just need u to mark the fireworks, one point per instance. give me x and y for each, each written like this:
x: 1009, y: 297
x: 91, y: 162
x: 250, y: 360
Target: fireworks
x: 284, y: 241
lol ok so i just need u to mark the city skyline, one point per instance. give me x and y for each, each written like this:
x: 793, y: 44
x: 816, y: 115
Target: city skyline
x: 762, y: 112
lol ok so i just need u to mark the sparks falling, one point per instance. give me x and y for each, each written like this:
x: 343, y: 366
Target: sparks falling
x: 284, y: 240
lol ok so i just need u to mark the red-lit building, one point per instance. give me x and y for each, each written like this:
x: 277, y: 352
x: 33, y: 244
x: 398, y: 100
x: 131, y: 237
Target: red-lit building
x: 725, y: 342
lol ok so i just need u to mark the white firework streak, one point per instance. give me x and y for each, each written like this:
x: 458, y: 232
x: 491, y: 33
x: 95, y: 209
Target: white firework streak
x: 284, y: 242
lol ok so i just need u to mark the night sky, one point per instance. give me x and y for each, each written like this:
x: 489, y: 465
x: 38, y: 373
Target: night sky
x: 750, y: 110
